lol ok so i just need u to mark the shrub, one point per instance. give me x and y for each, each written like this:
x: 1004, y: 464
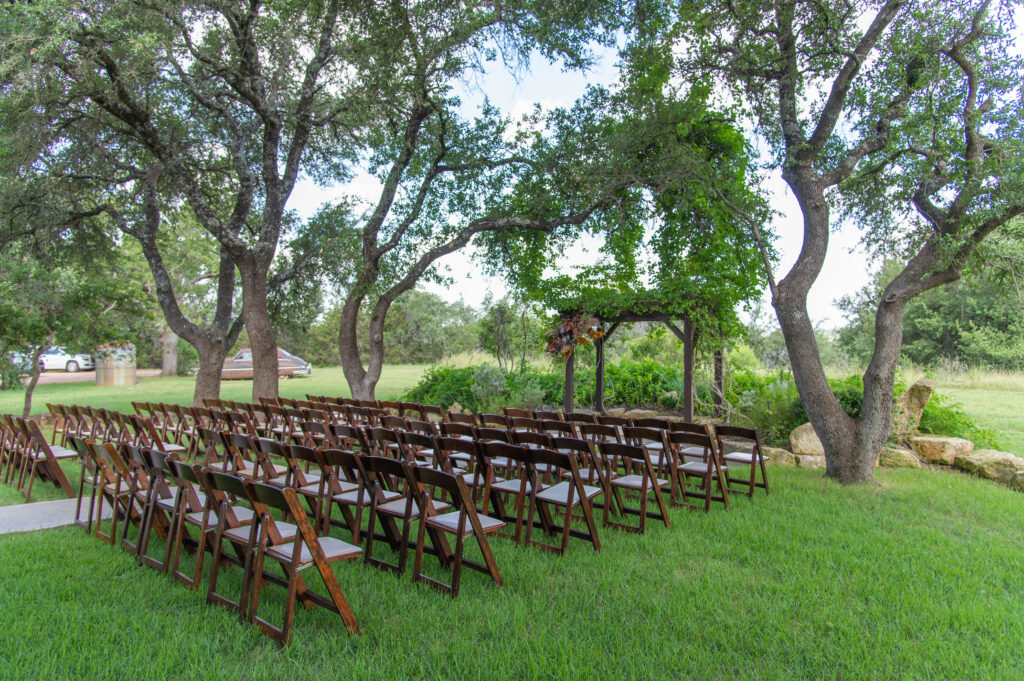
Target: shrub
x: 942, y: 416
x: 446, y: 385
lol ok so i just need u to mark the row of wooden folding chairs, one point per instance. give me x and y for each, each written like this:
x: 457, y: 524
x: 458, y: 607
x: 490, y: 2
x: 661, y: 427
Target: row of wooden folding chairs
x: 134, y: 480
x: 26, y: 455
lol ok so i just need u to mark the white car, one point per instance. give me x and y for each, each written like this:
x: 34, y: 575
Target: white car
x: 58, y: 358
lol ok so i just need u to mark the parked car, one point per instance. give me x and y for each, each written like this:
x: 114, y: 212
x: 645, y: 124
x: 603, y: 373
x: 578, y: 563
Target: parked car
x: 288, y: 365
x: 61, y: 359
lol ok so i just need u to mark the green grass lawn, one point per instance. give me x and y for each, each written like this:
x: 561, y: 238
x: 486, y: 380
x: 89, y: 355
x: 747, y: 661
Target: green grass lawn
x: 916, y: 578
x: 395, y: 380
x: 999, y: 409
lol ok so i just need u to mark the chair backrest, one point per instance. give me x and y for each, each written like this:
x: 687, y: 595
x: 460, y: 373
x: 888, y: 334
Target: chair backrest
x: 456, y: 429
x: 492, y: 434
x: 380, y: 440
x: 415, y: 442
x: 424, y: 427
x: 493, y: 420
x: 686, y: 427
x: 620, y: 421
x: 348, y: 436
x: 548, y: 415
x: 317, y: 434
x: 267, y: 498
x: 598, y: 432
x: 683, y: 439
x: 385, y: 473
x: 448, y: 445
x: 467, y: 419
x: 580, y: 417
x: 438, y: 413
x: 349, y: 463
x: 517, y: 412
x: 646, y: 436
x: 295, y: 454
x: 393, y: 422
x: 430, y: 480
x: 747, y: 435
x: 652, y: 422
x: 558, y: 428
x: 529, y: 437
x: 523, y: 423
x: 614, y: 452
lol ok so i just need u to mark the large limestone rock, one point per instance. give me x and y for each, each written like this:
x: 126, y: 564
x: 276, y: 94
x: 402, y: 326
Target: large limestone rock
x: 616, y: 411
x: 940, y: 450
x: 804, y: 441
x: 898, y: 457
x: 1018, y: 482
x: 640, y: 414
x: 994, y: 465
x: 778, y: 456
x: 809, y: 461
x: 908, y: 407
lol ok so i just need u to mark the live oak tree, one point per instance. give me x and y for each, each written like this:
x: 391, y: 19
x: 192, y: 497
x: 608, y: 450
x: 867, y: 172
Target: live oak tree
x: 443, y: 177
x: 219, y: 105
x: 904, y: 117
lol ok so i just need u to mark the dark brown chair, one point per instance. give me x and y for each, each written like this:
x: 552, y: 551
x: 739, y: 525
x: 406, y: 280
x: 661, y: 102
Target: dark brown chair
x: 708, y: 472
x: 645, y: 482
x: 463, y: 521
x: 569, y: 494
x: 754, y: 459
x: 295, y: 549
x: 467, y: 419
x: 188, y: 509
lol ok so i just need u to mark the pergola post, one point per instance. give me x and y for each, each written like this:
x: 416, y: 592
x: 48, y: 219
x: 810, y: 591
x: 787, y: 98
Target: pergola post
x: 599, y: 376
x: 569, y: 383
x: 687, y: 369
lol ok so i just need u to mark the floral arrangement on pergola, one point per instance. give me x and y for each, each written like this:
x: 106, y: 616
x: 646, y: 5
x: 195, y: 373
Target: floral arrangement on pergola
x: 577, y: 329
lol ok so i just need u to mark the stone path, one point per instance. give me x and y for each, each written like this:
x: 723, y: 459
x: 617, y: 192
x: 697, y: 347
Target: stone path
x: 42, y: 515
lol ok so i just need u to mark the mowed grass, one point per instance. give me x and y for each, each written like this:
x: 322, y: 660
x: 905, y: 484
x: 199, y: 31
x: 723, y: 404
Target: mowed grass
x: 395, y: 380
x: 916, y: 578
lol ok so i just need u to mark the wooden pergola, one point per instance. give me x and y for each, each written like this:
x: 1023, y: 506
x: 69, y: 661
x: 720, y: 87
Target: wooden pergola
x: 612, y: 322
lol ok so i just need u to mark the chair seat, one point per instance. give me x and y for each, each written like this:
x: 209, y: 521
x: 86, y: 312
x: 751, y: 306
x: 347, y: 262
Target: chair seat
x: 168, y: 503
x: 333, y: 550
x: 397, y: 508
x: 356, y: 497
x: 559, y: 494
x: 449, y: 522
x: 636, y: 482
x: 241, y: 534
x: 460, y: 456
x: 243, y: 514
x: 63, y: 452
x: 512, y: 486
x: 693, y: 450
x: 171, y: 448
x: 742, y: 457
x: 699, y: 468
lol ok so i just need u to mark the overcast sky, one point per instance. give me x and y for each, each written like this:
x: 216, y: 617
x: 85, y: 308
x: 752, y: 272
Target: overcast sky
x: 847, y: 267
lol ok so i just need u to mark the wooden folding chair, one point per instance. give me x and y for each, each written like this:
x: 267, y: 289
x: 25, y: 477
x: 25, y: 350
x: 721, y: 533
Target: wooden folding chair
x: 188, y: 509
x: 493, y: 421
x: 548, y: 415
x: 158, y: 508
x: 463, y: 521
x: 420, y: 449
x: 385, y: 476
x: 91, y: 476
x: 644, y: 483
x: 223, y: 491
x: 345, y: 487
x: 115, y: 487
x: 41, y: 460
x: 569, y: 494
x: 580, y: 417
x: 306, y: 550
x: 384, y: 442
x: 655, y: 441
x: 708, y: 471
x: 348, y: 437
x: 754, y: 459
x: 521, y: 481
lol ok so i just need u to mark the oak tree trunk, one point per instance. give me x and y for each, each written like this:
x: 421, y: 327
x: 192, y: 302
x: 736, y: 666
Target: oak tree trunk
x: 211, y: 362
x: 31, y: 386
x: 261, y: 332
x: 169, y: 355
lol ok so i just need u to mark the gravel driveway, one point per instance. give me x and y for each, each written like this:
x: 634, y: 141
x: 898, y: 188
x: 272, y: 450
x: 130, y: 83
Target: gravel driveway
x: 85, y: 376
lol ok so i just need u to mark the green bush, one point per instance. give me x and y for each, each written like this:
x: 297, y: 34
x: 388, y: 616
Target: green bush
x: 942, y: 416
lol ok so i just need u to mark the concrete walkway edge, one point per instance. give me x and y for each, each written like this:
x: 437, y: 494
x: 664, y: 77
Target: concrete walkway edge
x: 43, y: 515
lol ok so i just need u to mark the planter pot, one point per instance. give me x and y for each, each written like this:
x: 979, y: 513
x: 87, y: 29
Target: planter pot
x: 112, y: 371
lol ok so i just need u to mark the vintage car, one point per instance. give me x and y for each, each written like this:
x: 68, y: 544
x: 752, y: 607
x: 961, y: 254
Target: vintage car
x: 288, y: 365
